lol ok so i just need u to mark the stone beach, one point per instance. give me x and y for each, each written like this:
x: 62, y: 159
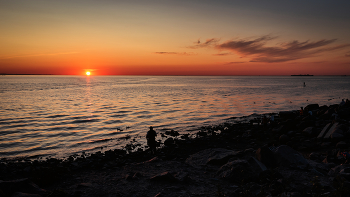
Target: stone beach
x: 295, y: 154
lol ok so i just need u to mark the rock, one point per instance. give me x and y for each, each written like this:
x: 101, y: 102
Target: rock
x: 309, y: 131
x: 20, y: 185
x: 20, y: 194
x: 311, y: 107
x: 266, y: 156
x: 137, y: 175
x: 216, y: 156
x: 279, y: 129
x: 288, y: 157
x: 341, y: 145
x: 84, y: 185
x: 303, y: 124
x: 291, y: 133
x: 172, y: 133
x: 256, y: 165
x: 287, y: 114
x: 340, y: 169
x: 283, y: 139
x: 237, y: 171
x: 169, y: 142
x: 165, y: 176
x: 314, y: 156
x: 336, y: 137
x: 128, y: 177
x: 182, y: 176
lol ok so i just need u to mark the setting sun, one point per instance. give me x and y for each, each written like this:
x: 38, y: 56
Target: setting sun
x: 88, y: 73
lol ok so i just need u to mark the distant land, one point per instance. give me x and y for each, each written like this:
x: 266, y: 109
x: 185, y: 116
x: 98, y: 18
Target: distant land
x: 24, y: 74
x: 307, y: 75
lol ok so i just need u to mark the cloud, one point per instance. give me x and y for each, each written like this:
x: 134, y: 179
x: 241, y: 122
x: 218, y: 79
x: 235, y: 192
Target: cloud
x: 207, y: 43
x: 259, y: 50
x: 175, y: 53
x: 222, y: 54
x: 347, y: 54
x: 234, y: 63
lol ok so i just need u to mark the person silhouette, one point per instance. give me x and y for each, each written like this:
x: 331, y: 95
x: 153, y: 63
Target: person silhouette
x: 151, y: 139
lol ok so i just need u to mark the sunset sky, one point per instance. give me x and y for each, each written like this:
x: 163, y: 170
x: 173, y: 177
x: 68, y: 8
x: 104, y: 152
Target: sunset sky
x: 182, y: 37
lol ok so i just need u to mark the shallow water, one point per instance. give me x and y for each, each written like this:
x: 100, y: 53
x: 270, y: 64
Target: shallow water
x: 62, y: 115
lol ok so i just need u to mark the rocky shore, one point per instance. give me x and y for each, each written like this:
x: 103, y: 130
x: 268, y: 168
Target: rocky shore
x: 292, y: 154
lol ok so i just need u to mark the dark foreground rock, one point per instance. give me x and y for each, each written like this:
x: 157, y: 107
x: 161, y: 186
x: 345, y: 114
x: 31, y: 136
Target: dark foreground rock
x: 294, y: 155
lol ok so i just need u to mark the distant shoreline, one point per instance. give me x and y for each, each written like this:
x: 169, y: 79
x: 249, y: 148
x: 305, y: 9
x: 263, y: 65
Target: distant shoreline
x: 4, y: 74
x: 307, y: 75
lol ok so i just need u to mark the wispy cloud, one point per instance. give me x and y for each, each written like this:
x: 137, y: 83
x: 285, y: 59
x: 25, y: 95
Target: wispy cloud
x: 34, y: 55
x: 207, y: 43
x: 175, y: 53
x: 258, y: 49
x: 222, y: 54
x: 234, y: 63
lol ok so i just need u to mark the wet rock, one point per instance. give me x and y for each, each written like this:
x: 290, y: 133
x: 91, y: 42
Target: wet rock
x: 165, y: 176
x: 216, y: 156
x: 169, y: 142
x: 172, y: 133
x: 287, y: 114
x: 311, y: 107
x: 288, y: 157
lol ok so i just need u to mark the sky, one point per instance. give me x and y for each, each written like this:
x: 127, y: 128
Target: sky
x: 182, y: 37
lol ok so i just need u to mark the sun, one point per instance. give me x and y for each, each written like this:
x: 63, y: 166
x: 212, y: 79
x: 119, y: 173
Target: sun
x: 88, y: 73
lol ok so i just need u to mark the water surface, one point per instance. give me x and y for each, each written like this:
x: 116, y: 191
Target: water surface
x: 62, y: 115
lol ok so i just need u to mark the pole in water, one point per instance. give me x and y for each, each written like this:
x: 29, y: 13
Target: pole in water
x: 304, y: 84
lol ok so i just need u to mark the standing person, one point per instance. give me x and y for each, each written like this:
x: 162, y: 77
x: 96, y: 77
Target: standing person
x: 151, y: 139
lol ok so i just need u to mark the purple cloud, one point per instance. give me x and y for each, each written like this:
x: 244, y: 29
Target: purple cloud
x: 258, y: 49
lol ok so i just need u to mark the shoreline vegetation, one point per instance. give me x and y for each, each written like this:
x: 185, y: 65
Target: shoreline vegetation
x: 292, y: 153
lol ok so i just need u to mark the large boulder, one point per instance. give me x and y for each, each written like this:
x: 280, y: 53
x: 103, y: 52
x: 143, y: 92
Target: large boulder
x: 241, y: 170
x: 215, y: 156
x: 288, y: 157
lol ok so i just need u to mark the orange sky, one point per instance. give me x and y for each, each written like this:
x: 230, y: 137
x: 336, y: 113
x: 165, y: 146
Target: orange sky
x: 174, y: 37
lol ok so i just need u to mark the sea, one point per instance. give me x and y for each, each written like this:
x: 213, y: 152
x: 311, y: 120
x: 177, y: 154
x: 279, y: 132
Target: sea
x: 44, y: 116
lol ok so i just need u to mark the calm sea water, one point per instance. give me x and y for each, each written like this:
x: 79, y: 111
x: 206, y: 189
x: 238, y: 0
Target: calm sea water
x: 43, y: 116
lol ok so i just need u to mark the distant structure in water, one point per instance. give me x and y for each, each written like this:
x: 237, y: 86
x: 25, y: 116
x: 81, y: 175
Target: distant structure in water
x: 307, y: 75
